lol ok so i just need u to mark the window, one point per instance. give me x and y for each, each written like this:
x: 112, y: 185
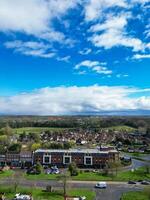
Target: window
x: 88, y: 160
x: 67, y: 159
x: 47, y: 159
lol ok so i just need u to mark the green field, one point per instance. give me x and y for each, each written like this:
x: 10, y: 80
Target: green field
x: 121, y: 176
x: 37, y: 129
x: 39, y: 194
x: 121, y: 128
x: 4, y: 174
x: 41, y: 176
x: 91, y: 176
x: 144, y: 195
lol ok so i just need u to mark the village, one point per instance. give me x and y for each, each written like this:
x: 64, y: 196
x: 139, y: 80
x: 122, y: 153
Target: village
x: 44, y: 155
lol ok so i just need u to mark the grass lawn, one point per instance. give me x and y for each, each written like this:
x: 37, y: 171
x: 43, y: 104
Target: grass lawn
x: 38, y: 194
x: 136, y: 175
x: 136, y: 154
x: 41, y: 176
x: 91, y: 176
x: 121, y: 128
x: 37, y: 129
x: 136, y: 196
x: 90, y: 195
x: 7, y: 173
x: 121, y: 176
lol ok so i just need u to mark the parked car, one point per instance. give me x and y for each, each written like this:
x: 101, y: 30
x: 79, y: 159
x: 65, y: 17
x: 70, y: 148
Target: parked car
x: 82, y: 198
x: 101, y: 185
x: 52, y: 170
x: 145, y: 183
x: 79, y: 198
x: 22, y: 197
x: 32, y: 171
x: 131, y: 182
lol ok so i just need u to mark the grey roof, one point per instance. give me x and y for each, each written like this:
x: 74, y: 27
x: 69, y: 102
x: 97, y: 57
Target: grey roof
x: 74, y: 151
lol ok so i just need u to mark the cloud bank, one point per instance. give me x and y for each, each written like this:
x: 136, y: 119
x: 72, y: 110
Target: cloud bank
x: 76, y: 100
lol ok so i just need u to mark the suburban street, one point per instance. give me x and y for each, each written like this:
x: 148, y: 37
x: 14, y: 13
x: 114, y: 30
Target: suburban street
x: 113, y: 191
x: 137, y: 163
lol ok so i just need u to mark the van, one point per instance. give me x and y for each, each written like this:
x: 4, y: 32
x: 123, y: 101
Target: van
x: 101, y: 185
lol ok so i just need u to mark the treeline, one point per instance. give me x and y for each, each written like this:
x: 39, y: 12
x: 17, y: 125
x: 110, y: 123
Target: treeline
x: 74, y: 122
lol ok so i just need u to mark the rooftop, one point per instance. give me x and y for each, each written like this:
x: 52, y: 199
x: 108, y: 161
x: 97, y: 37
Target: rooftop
x: 74, y: 151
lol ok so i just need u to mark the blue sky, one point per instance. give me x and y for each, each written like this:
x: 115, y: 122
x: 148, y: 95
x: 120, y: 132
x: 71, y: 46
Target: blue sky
x: 74, y: 56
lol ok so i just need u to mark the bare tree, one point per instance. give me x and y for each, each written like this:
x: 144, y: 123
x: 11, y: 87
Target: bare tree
x: 64, y: 178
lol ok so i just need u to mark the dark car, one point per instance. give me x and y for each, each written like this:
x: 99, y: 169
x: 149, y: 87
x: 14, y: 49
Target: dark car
x: 33, y: 172
x: 145, y: 183
x: 131, y: 182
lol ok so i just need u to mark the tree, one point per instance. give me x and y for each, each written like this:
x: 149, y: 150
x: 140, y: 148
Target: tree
x: 67, y: 145
x: 2, y: 149
x: 114, y: 166
x: 35, y: 146
x: 64, y: 178
x: 4, y: 140
x: 15, y: 147
x: 35, y: 137
x: 16, y: 179
x: 8, y: 130
x: 73, y: 169
x: 39, y: 168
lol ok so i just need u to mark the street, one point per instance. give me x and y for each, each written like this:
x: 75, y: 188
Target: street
x: 112, y: 192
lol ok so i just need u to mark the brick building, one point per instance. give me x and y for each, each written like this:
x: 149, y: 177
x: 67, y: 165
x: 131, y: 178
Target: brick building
x: 20, y: 159
x: 84, y: 158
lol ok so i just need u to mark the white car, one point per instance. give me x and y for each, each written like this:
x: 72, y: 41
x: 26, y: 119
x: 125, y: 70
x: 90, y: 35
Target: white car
x: 22, y: 197
x: 101, y: 185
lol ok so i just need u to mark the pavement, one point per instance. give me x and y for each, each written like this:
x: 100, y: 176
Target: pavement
x: 137, y: 163
x: 112, y: 192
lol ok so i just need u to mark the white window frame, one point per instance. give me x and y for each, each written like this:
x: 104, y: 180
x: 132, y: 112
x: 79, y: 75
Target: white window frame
x: 45, y: 157
x: 65, y: 156
x: 85, y: 157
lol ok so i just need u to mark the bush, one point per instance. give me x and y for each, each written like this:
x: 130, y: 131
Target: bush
x: 39, y: 168
x: 73, y: 169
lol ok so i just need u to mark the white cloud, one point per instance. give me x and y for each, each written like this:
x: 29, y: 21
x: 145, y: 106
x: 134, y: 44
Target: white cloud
x: 121, y: 75
x: 81, y: 72
x: 141, y: 1
x: 87, y: 63
x: 34, y: 17
x: 148, y: 45
x: 96, y: 66
x: 94, y: 9
x: 112, y: 22
x: 31, y: 48
x: 85, y: 51
x: 113, y: 33
x: 141, y: 56
x: 65, y: 59
x: 68, y: 100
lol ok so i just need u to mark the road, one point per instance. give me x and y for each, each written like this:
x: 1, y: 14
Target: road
x: 112, y: 192
x: 137, y: 163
